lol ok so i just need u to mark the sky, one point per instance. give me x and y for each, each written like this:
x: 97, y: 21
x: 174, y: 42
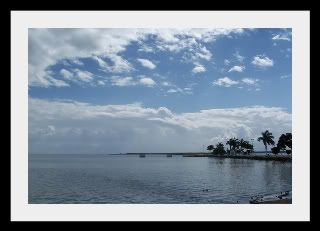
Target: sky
x: 156, y: 90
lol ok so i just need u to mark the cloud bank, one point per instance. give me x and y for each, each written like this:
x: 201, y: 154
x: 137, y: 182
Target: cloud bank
x: 65, y: 126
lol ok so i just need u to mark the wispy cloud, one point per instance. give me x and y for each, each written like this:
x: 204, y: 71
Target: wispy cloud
x: 237, y: 69
x: 238, y: 57
x: 172, y: 88
x: 284, y: 36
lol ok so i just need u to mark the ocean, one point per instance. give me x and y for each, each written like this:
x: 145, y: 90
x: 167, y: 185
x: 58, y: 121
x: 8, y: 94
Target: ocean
x: 156, y: 179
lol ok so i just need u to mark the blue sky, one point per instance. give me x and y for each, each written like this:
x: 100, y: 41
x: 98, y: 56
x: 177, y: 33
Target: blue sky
x: 182, y: 81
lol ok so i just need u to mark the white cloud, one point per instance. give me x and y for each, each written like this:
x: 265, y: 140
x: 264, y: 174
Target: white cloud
x: 226, y: 62
x: 129, y: 81
x: 77, y: 127
x: 122, y: 81
x: 147, y: 63
x: 198, y: 68
x: 203, y: 53
x: 59, y: 83
x: 147, y: 82
x: 225, y: 82
x: 237, y: 69
x: 262, y: 61
x: 249, y: 81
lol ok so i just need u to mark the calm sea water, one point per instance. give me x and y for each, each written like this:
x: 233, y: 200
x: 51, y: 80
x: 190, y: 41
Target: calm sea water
x: 155, y: 179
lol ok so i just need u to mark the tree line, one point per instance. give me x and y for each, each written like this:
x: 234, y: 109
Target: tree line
x: 243, y: 146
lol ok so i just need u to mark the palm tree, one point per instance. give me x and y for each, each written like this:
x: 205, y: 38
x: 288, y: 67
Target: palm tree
x: 233, y: 143
x: 267, y: 139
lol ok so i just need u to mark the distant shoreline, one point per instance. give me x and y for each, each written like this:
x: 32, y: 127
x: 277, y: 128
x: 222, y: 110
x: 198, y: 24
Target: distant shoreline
x: 253, y: 156
x: 250, y: 157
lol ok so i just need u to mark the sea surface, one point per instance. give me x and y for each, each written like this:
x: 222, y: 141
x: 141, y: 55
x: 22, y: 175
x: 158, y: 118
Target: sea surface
x: 123, y: 179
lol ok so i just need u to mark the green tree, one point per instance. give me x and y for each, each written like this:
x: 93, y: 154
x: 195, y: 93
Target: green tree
x: 245, y: 144
x: 219, y: 150
x: 275, y: 150
x: 285, y: 140
x: 210, y: 147
x: 267, y: 139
